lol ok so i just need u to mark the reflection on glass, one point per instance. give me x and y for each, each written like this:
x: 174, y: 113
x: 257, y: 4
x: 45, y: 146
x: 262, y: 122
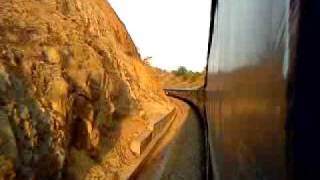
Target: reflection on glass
x: 246, y: 88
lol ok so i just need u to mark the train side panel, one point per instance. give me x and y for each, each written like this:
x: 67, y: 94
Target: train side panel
x: 246, y: 89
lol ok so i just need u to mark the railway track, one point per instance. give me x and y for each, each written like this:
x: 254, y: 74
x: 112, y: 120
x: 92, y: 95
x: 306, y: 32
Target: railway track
x: 180, y: 154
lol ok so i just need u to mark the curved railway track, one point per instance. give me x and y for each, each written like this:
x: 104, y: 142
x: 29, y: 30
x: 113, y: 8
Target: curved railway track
x: 181, y: 153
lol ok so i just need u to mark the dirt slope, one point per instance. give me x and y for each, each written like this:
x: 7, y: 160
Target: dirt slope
x: 73, y: 90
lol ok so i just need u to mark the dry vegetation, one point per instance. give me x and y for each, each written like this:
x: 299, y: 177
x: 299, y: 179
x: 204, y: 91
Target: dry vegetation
x: 175, y: 79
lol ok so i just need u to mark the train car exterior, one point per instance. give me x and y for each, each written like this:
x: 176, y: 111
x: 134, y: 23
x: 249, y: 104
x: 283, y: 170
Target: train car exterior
x: 261, y: 97
x: 262, y: 92
x: 248, y: 70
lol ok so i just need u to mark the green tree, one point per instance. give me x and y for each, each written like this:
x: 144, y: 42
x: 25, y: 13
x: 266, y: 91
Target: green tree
x: 181, y: 71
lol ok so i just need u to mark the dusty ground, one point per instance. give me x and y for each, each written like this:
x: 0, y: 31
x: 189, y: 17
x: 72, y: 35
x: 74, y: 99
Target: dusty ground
x: 179, y: 155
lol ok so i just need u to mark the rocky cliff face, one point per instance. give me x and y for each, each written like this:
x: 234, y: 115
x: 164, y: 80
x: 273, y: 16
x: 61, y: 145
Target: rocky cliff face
x: 69, y: 71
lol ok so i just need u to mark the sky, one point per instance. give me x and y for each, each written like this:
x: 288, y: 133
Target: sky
x: 173, y: 32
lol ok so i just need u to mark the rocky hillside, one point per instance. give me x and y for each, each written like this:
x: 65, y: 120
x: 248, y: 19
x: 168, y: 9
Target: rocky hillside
x: 71, y: 85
